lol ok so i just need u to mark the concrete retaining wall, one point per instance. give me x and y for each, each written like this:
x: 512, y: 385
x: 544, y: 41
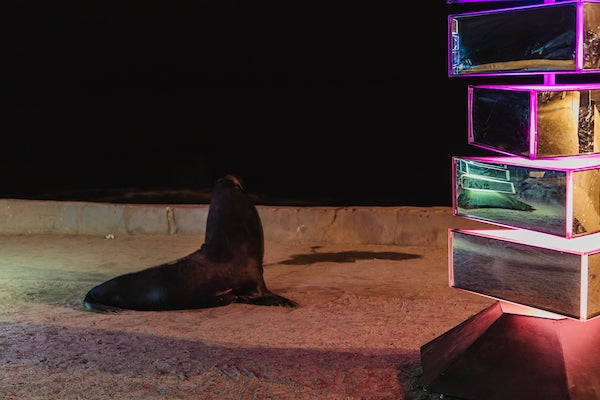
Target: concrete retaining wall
x: 418, y: 226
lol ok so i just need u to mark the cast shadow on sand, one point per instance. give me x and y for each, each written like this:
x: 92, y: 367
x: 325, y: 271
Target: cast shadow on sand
x: 180, y: 364
x: 346, y: 257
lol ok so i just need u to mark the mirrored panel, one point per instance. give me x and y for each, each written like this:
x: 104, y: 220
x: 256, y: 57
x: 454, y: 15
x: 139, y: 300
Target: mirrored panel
x: 535, y: 121
x: 559, y: 196
x: 523, y: 197
x: 560, y: 37
x: 586, y: 202
x: 499, y: 1
x: 518, y: 272
x: 500, y: 120
x: 593, y: 282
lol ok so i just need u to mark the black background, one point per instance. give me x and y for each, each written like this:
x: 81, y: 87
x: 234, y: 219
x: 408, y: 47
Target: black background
x: 335, y: 104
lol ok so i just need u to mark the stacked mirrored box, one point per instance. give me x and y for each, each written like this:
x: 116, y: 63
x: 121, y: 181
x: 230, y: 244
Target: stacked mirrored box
x: 541, y: 190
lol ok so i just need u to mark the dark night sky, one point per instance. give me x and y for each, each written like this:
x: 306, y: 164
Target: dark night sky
x: 350, y: 104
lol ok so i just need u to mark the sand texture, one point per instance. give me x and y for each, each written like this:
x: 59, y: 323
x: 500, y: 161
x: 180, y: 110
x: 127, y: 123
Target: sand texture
x: 364, y: 312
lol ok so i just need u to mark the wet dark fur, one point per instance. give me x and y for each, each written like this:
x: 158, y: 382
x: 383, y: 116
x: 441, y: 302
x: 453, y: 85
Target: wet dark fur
x: 227, y: 268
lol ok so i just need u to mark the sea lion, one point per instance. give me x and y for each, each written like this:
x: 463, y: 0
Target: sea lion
x: 227, y: 268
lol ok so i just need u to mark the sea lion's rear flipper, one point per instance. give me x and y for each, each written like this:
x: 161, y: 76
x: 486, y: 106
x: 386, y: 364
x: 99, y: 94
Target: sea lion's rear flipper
x: 266, y: 299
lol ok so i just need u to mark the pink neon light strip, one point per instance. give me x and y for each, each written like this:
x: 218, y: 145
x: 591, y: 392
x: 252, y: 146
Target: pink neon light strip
x: 450, y: 53
x: 569, y: 205
x: 572, y: 163
x: 533, y: 126
x: 544, y: 88
x: 549, y: 77
x: 498, y: 1
x: 470, y: 128
x: 582, y: 245
x: 579, y: 36
x: 584, y: 288
x: 450, y: 258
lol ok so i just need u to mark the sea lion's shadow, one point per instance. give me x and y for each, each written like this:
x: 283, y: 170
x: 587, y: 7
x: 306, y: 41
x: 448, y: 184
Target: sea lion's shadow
x: 347, y: 257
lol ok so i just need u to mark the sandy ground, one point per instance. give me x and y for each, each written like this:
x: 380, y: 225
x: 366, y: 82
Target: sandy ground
x: 364, y: 313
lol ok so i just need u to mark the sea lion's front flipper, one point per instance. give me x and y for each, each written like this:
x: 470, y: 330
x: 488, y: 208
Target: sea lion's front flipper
x: 234, y: 232
x: 92, y: 305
